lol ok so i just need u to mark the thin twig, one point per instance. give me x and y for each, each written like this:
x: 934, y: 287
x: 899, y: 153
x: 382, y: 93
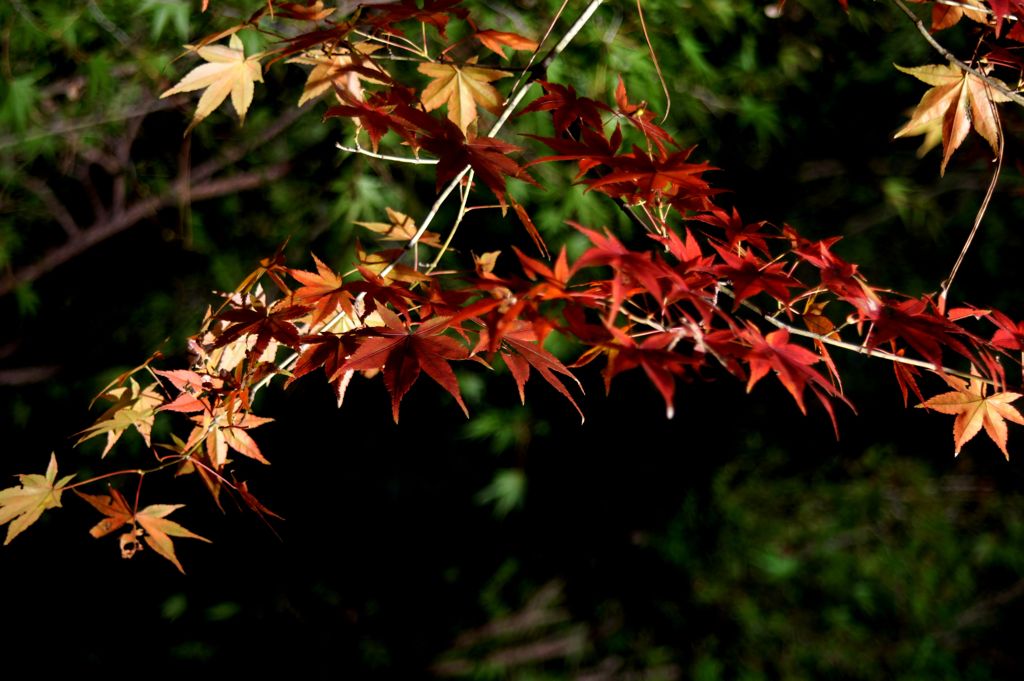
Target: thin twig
x: 455, y: 227
x: 946, y: 285
x: 854, y: 347
x: 654, y: 60
x: 388, y: 157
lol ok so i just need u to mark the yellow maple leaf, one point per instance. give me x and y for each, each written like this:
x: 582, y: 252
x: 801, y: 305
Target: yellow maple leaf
x: 133, y: 407
x: 21, y: 506
x: 462, y: 88
x: 974, y: 411
x: 958, y: 100
x: 227, y: 72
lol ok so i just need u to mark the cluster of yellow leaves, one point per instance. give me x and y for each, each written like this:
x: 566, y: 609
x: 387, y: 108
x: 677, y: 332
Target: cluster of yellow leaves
x: 133, y: 407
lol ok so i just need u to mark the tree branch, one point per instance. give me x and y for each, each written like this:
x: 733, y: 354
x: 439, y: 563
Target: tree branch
x: 132, y: 215
x: 57, y: 209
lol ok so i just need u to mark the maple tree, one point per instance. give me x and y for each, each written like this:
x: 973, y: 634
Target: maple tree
x: 703, y: 293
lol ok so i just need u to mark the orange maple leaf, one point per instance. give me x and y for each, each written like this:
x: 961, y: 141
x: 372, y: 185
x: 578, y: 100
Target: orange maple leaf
x: 974, y: 411
x: 150, y: 524
x: 462, y: 88
x: 958, y: 100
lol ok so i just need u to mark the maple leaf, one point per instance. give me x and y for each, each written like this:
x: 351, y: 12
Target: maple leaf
x: 520, y: 350
x: 402, y: 353
x: 750, y: 276
x: 792, y: 366
x: 401, y: 227
x: 462, y: 88
x: 342, y: 71
x: 21, y: 506
x: 222, y: 431
x: 960, y: 100
x: 228, y: 72
x: 487, y: 156
x: 496, y: 40
x: 916, y: 323
x: 945, y: 16
x: 655, y: 355
x: 1002, y: 8
x: 265, y: 323
x: 736, y: 232
x: 133, y: 407
x: 150, y: 523
x: 974, y: 411
x: 640, y: 117
x: 1010, y: 334
x: 324, y: 289
x: 328, y: 351
x: 639, y: 177
x: 566, y: 108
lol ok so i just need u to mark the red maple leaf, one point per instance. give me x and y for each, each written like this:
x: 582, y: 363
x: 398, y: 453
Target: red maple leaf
x: 750, y: 276
x: 792, y: 366
x: 1009, y: 334
x: 487, y: 156
x: 265, y: 322
x: 566, y: 107
x: 402, y: 353
x: 736, y: 232
x: 655, y: 354
x: 327, y: 351
x: 918, y: 323
x: 520, y: 350
x: 374, y: 115
x: 639, y: 177
x: 640, y: 117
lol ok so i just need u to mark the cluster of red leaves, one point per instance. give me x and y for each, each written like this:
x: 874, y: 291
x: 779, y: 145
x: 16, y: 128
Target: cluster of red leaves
x: 707, y: 292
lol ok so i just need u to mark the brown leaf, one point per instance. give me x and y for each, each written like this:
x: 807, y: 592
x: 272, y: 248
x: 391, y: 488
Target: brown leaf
x: 401, y: 227
x: 150, y: 523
